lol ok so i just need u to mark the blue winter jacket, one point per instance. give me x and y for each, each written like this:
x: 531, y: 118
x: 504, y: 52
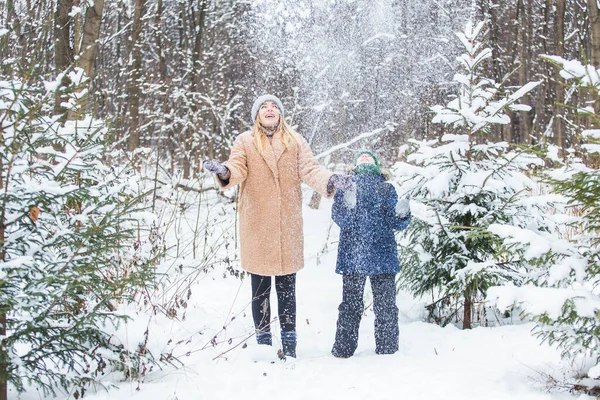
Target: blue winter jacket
x: 367, y: 244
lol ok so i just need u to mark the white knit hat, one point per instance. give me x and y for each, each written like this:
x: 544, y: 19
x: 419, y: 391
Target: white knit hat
x: 261, y: 100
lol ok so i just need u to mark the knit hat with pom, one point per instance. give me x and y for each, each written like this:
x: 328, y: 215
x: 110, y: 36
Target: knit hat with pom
x: 367, y: 168
x: 261, y: 100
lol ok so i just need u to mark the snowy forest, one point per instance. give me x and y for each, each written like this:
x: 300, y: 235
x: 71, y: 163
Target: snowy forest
x: 120, y: 274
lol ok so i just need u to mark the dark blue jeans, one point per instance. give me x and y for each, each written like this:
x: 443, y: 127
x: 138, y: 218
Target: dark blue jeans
x: 351, y: 310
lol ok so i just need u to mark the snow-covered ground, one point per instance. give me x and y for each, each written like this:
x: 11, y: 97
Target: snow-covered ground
x: 503, y: 362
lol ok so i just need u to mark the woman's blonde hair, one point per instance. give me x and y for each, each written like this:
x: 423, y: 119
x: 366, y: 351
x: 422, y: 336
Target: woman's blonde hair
x: 288, y: 136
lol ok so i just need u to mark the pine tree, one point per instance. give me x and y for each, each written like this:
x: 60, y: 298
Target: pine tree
x: 564, y: 299
x: 69, y: 226
x: 464, y: 184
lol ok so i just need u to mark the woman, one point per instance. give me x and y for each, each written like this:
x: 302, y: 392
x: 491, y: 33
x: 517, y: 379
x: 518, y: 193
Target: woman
x: 270, y: 162
x: 368, y: 217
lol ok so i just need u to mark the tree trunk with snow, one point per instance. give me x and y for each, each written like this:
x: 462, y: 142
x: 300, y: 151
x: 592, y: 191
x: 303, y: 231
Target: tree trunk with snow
x: 91, y: 33
x: 559, y: 124
x: 63, y: 51
x: 198, y: 45
x: 524, y: 55
x: 13, y: 23
x: 136, y: 74
x: 162, y: 64
x: 3, y: 352
x: 198, y: 22
x: 76, y: 19
x: 3, y: 356
x: 87, y: 49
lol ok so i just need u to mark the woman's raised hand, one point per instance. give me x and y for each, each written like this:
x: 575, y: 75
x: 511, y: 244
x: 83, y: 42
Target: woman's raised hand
x: 342, y: 182
x: 215, y: 167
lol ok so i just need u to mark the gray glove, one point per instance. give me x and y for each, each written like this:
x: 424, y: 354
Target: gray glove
x: 342, y: 182
x: 215, y: 167
x: 403, y: 207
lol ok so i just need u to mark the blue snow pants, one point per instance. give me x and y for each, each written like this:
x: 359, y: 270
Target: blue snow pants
x: 351, y: 310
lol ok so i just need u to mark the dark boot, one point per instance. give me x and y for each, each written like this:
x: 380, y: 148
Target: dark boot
x: 264, y: 338
x: 288, y: 342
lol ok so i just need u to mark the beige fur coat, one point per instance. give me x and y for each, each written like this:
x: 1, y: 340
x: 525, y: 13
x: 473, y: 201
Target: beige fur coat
x: 270, y: 201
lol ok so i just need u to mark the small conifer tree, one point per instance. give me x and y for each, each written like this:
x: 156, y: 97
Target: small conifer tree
x: 66, y: 222
x: 463, y: 184
x: 563, y: 296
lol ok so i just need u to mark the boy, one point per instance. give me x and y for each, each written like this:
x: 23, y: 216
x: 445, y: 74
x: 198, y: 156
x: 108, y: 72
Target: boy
x: 367, y: 217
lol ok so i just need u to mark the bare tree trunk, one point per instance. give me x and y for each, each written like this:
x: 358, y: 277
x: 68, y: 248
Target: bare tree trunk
x: 595, y: 45
x: 559, y: 29
x: 512, y: 132
x: 186, y: 165
x: 63, y: 52
x: 507, y: 130
x: 494, y: 41
x: 525, y: 23
x: 198, y: 44
x: 196, y: 76
x: 76, y: 28
x: 136, y: 73
x: 120, y: 107
x: 3, y: 310
x: 468, y: 310
x: 595, y: 32
x: 91, y: 33
x: 528, y: 45
x: 12, y: 22
x: 87, y: 48
x: 489, y: 12
x: 545, y: 94
x: 162, y: 64
x: 3, y: 352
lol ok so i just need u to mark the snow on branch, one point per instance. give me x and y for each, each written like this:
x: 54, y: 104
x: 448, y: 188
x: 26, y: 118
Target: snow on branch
x: 350, y: 142
x: 574, y: 69
x: 480, y: 101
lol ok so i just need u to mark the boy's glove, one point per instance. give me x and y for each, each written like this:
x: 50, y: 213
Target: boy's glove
x: 215, y: 167
x: 350, y: 199
x: 403, y: 207
x: 342, y: 182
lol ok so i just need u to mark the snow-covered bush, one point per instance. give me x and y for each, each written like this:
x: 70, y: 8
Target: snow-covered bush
x: 463, y: 185
x: 69, y: 230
